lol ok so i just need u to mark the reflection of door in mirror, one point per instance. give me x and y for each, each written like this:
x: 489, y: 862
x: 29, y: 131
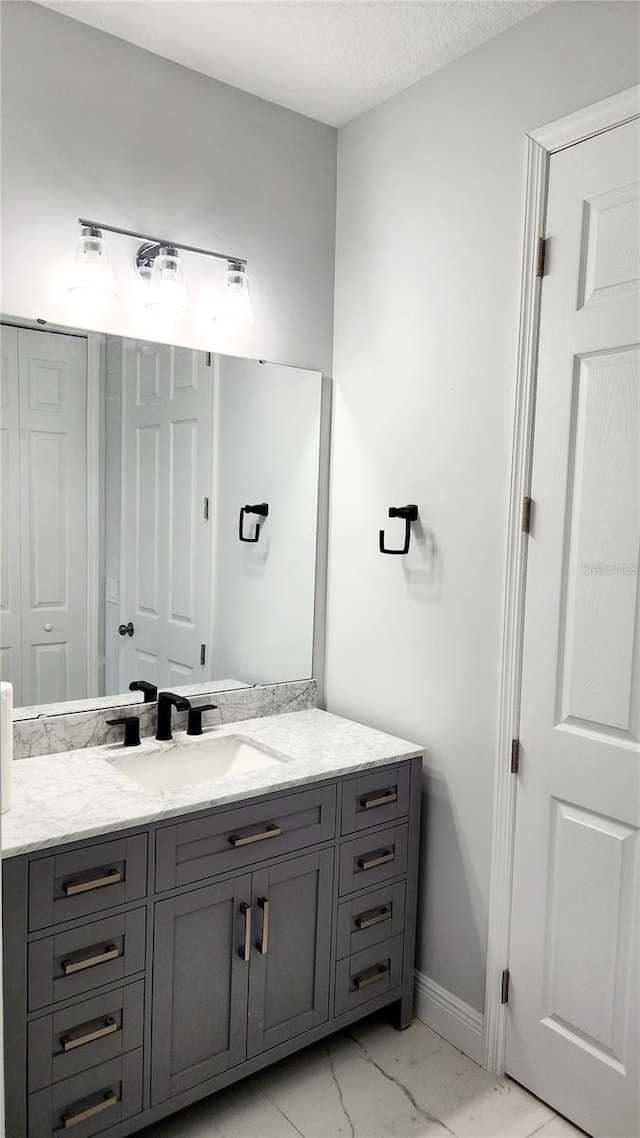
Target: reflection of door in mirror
x: 43, y: 572
x: 165, y: 552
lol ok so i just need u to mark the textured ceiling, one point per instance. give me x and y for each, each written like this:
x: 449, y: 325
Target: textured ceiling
x: 329, y: 59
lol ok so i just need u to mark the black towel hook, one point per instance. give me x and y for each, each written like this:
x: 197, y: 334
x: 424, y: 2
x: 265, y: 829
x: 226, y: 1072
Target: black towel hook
x: 262, y: 510
x: 410, y: 514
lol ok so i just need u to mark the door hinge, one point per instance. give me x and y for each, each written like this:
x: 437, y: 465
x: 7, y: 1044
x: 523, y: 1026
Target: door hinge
x: 207, y: 359
x: 504, y: 988
x: 515, y: 756
x: 206, y: 510
x: 525, y: 523
x: 541, y: 256
x: 203, y: 653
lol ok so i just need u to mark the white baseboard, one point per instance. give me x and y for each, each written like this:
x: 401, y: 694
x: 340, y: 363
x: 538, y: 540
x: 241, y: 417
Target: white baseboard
x: 450, y: 1017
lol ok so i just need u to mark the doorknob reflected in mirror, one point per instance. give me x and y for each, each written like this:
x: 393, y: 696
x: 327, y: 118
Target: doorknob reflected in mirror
x: 126, y: 629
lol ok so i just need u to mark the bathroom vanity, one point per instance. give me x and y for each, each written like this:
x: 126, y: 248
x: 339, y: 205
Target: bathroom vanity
x: 160, y: 945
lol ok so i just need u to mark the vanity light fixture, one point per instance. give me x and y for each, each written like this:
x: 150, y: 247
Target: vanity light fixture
x: 167, y: 291
x: 93, y: 275
x: 157, y: 262
x: 234, y: 309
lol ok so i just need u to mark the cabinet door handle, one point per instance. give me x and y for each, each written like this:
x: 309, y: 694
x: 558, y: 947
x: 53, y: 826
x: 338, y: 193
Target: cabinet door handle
x: 71, y: 888
x: 272, y: 831
x: 245, y: 949
x: 107, y: 1099
x: 373, y: 917
x: 110, y: 952
x: 69, y: 1042
x: 371, y: 975
x: 263, y: 944
x: 377, y: 859
x: 378, y: 798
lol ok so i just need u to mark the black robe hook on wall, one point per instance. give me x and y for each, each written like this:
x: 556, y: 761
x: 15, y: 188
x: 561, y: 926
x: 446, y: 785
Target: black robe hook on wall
x: 410, y: 514
x: 262, y: 510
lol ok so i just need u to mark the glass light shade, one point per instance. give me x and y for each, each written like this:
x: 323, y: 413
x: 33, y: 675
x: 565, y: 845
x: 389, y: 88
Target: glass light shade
x: 93, y: 275
x: 234, y: 304
x: 167, y: 291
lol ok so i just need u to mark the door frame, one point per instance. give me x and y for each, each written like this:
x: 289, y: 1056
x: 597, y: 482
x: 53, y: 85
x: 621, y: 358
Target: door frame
x: 540, y: 144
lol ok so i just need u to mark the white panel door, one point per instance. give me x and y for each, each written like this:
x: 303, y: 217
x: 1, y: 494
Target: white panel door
x: 43, y: 572
x: 574, y: 1011
x: 10, y: 577
x: 165, y: 547
x: 52, y: 382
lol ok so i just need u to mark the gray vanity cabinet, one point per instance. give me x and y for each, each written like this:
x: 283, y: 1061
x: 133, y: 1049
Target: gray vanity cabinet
x: 148, y: 969
x: 289, y: 969
x: 238, y: 968
x: 200, y: 987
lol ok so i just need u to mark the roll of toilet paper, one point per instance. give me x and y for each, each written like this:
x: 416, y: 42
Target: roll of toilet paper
x: 6, y: 744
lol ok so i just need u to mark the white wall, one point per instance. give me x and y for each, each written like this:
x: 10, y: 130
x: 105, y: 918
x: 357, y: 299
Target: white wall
x: 429, y: 233
x: 95, y: 127
x: 267, y: 448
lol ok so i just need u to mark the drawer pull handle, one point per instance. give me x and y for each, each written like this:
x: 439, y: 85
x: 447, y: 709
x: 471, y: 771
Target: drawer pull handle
x: 263, y: 944
x: 106, y: 1100
x: 69, y: 1042
x: 72, y: 888
x: 374, y: 918
x: 272, y: 831
x: 368, y: 801
x: 245, y: 949
x: 377, y: 859
x: 108, y: 953
x: 371, y: 976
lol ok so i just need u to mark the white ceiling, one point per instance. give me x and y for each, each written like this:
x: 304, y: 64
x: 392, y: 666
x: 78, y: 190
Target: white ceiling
x: 329, y: 59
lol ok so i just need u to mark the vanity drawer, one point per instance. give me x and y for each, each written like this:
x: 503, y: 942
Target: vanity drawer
x: 90, y: 1102
x: 192, y: 851
x: 71, y: 885
x: 74, y: 962
x: 373, y: 858
x: 370, y: 918
x: 70, y: 1041
x: 375, y: 798
x: 368, y: 974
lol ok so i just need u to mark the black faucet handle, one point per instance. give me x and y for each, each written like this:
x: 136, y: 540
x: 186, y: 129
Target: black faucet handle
x: 150, y: 690
x: 131, y: 729
x: 194, y: 724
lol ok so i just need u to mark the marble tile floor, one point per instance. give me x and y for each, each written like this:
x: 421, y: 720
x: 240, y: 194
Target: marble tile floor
x: 371, y: 1081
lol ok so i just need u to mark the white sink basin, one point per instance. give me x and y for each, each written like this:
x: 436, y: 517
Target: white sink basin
x: 189, y: 763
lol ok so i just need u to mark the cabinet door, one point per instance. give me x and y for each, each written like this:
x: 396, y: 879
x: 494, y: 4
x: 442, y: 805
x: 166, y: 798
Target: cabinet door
x: 199, y: 986
x: 289, y: 975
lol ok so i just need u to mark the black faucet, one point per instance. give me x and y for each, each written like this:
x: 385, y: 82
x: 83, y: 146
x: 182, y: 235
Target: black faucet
x: 167, y: 699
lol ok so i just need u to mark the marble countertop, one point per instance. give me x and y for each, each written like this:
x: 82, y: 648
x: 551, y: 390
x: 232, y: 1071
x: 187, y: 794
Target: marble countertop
x: 65, y: 797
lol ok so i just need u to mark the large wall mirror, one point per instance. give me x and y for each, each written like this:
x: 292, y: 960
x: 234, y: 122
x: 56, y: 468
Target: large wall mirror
x: 159, y: 516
